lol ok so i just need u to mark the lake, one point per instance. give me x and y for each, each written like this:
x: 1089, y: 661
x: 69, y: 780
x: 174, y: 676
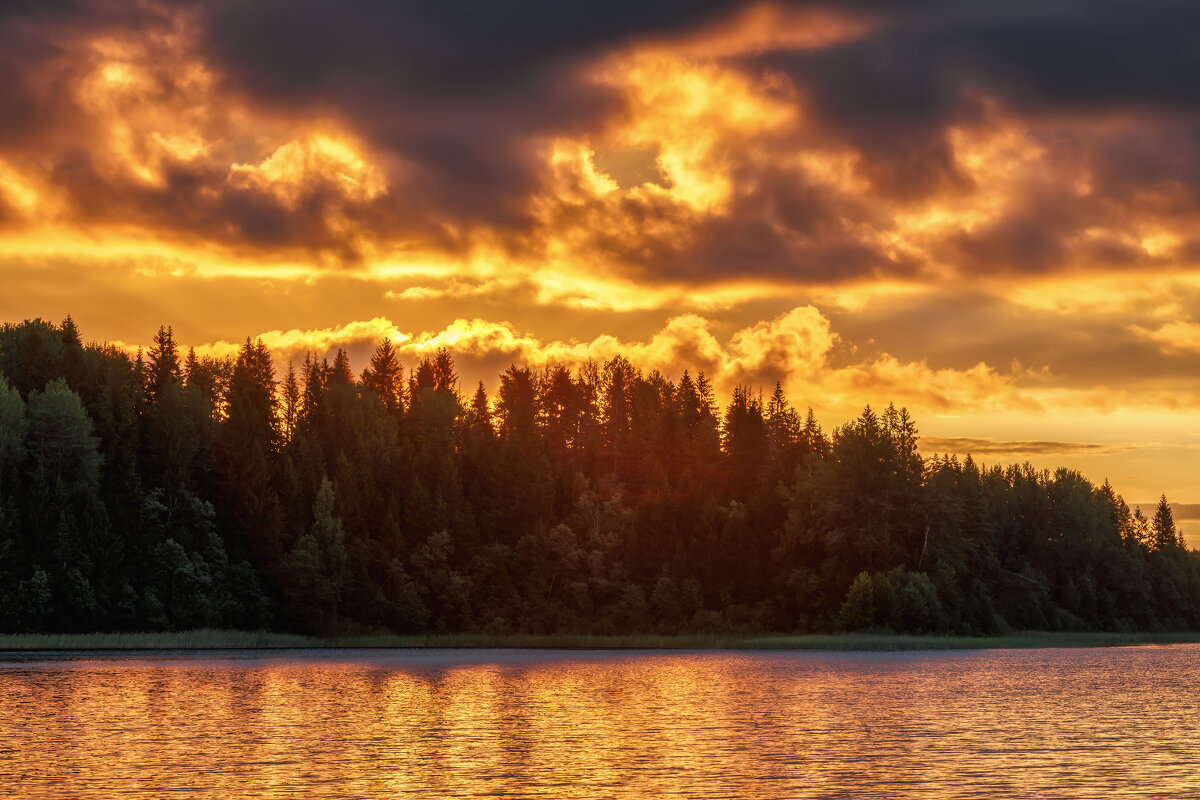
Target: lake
x: 526, y: 723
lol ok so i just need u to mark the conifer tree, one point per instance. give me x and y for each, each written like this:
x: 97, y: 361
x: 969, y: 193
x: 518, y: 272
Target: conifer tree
x: 559, y: 409
x: 162, y: 365
x: 313, y: 377
x: 707, y: 400
x: 444, y: 377
x: 782, y: 420
x: 250, y: 439
x: 127, y: 498
x: 1162, y: 526
x: 480, y: 412
x: 517, y: 408
x: 70, y: 333
x: 289, y: 395
x: 422, y: 379
x: 340, y: 374
x: 688, y: 399
x: 1141, y: 529
x: 190, y: 365
x: 385, y: 377
x: 813, y: 437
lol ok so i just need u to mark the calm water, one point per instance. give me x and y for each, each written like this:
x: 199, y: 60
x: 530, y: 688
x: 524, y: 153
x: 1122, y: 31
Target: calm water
x: 432, y: 724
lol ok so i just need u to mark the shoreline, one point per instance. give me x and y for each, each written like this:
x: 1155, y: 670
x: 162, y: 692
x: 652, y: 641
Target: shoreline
x: 834, y: 642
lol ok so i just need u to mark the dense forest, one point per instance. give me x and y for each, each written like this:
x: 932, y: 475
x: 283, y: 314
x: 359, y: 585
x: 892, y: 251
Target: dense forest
x: 166, y: 491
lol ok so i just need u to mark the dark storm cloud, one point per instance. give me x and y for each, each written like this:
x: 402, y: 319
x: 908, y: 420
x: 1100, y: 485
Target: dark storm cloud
x: 925, y: 65
x: 457, y: 97
x: 461, y: 89
x: 1032, y: 237
x: 443, y: 52
x: 26, y: 104
x: 199, y: 202
x: 930, y: 65
x: 780, y: 229
x: 36, y: 40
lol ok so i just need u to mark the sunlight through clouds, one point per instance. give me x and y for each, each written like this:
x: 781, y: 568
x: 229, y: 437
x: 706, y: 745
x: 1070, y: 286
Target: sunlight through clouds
x: 833, y: 198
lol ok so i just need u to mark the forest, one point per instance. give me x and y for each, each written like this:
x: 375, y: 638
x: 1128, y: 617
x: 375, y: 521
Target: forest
x: 166, y: 491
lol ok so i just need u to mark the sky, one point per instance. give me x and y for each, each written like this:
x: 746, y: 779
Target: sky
x: 983, y: 211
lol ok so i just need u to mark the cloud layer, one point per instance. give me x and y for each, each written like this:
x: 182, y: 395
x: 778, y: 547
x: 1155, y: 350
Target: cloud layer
x: 981, y: 209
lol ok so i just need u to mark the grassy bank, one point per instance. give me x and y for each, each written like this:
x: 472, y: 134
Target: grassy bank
x: 250, y: 640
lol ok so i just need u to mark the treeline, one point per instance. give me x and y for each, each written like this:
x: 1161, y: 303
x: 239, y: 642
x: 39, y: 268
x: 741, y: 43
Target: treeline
x: 169, y: 491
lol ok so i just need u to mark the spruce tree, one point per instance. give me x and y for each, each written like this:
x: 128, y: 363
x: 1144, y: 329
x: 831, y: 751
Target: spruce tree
x: 1162, y: 526
x: 289, y: 396
x: 385, y: 377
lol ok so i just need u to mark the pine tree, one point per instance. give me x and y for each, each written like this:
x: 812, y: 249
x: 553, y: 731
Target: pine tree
x: 813, y: 437
x: 480, y: 412
x: 422, y: 379
x: 252, y: 404
x: 70, y: 333
x: 250, y: 440
x: 517, y: 409
x: 313, y: 376
x: 707, y: 400
x: 444, y: 377
x: 162, y: 367
x: 341, y: 374
x: 1141, y: 529
x: 190, y: 365
x: 289, y: 395
x: 688, y: 399
x: 559, y: 409
x: 619, y: 379
x: 385, y: 377
x: 782, y: 420
x: 1162, y: 526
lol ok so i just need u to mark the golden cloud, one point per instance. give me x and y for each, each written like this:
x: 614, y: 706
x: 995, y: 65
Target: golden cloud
x: 293, y: 168
x: 1179, y: 336
x: 793, y: 348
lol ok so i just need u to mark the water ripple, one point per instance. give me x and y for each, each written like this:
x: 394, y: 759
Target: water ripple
x: 532, y: 724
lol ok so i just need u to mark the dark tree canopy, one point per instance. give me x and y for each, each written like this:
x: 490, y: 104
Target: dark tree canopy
x: 169, y: 491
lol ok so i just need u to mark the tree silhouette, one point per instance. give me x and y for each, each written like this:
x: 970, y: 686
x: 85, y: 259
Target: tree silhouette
x: 160, y: 492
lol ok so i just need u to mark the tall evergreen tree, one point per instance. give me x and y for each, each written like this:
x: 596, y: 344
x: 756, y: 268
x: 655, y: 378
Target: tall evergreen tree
x: 385, y: 377
x: 1162, y: 526
x: 289, y: 397
x: 341, y: 374
x: 162, y: 364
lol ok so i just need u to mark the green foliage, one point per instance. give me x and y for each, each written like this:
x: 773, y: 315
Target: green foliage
x: 1162, y: 527
x: 59, y: 438
x: 169, y: 493
x: 313, y: 573
x: 12, y: 430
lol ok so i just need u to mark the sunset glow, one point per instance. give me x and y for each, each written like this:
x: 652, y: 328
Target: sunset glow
x: 866, y: 205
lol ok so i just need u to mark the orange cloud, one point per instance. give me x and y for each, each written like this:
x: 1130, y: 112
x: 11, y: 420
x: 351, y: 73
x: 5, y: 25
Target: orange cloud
x: 1176, y: 336
x: 793, y: 348
x: 296, y: 166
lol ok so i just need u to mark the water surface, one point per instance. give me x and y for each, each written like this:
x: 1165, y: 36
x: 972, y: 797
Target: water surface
x: 503, y: 723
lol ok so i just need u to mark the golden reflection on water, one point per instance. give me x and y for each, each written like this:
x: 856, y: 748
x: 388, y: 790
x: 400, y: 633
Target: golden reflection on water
x: 431, y: 724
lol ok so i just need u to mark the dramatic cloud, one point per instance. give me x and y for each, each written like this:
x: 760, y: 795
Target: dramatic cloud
x: 793, y: 349
x: 984, y: 210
